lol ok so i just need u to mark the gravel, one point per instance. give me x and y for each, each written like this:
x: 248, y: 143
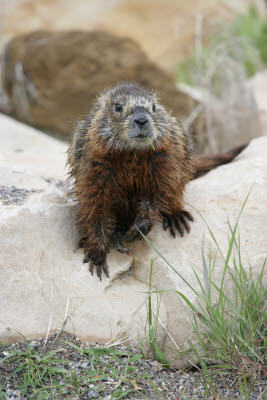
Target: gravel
x: 147, y: 376
x: 13, y: 195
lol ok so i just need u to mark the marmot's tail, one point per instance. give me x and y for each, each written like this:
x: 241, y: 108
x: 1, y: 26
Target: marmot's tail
x: 204, y: 164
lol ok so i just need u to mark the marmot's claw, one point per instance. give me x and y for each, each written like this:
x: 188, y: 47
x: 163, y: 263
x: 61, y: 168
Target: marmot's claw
x: 188, y: 215
x: 165, y: 224
x: 82, y: 242
x: 105, y: 269
x: 179, y: 221
x: 121, y: 248
x: 86, y: 259
x: 99, y: 269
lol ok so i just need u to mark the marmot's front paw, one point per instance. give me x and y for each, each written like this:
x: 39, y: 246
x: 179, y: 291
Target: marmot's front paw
x: 99, y: 267
x: 178, y: 221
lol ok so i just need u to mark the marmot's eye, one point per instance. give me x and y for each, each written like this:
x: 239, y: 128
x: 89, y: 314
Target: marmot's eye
x: 118, y: 107
x: 153, y: 107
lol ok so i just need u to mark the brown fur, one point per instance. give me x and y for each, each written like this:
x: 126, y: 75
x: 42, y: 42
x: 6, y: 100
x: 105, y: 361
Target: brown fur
x: 123, y: 187
x: 204, y: 164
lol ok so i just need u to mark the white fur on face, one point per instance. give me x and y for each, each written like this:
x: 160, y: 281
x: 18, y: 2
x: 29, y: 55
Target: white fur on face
x: 120, y: 139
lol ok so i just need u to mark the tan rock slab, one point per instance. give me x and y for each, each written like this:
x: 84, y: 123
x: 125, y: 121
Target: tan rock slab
x: 43, y: 280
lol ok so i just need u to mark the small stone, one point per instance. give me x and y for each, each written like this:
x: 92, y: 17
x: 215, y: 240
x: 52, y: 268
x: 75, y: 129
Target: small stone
x: 92, y: 394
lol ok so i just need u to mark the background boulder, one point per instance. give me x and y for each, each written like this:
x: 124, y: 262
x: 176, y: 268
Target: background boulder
x: 166, y: 29
x: 51, y: 78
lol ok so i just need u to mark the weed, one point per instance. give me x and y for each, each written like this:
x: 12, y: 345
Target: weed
x: 43, y: 376
x: 232, y: 330
x: 101, y: 369
x: 243, y: 40
x: 159, y: 356
x: 34, y: 374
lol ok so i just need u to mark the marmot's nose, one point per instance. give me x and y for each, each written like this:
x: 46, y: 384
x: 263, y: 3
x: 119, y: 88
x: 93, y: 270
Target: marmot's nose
x: 141, y: 121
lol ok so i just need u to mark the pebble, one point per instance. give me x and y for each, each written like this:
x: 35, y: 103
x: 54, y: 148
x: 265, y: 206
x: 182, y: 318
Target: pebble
x: 13, y: 195
x: 170, y: 384
x: 92, y: 394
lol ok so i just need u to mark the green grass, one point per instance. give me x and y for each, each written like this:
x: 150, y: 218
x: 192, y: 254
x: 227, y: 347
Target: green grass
x: 34, y: 374
x: 251, y: 27
x: 102, y: 369
x: 231, y: 331
x: 243, y: 40
x: 152, y: 328
x: 47, y: 376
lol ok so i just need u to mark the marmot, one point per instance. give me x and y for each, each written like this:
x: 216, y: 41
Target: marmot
x: 130, y: 160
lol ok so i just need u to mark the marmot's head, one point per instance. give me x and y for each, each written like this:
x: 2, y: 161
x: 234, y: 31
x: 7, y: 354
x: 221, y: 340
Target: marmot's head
x: 130, y: 117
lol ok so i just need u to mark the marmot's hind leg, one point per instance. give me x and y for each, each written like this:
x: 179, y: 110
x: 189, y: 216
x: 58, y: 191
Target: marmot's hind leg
x: 140, y: 225
x: 121, y: 248
x: 116, y: 241
x: 145, y: 218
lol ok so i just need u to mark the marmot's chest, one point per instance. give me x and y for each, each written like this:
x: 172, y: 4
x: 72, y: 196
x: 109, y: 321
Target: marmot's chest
x: 143, y: 171
x: 140, y: 179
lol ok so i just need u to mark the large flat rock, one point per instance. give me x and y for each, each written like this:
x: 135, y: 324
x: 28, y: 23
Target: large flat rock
x: 215, y: 201
x: 23, y: 147
x: 43, y: 280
